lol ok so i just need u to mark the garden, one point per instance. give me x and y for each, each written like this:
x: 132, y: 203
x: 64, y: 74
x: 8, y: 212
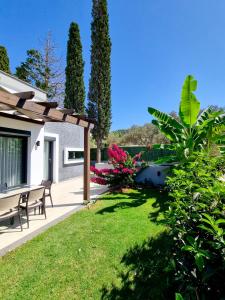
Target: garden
x: 195, y: 217
x: 139, y: 241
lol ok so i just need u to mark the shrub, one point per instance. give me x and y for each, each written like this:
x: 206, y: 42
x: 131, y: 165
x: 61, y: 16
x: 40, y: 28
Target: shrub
x: 123, y: 171
x: 196, y: 217
x: 193, y: 130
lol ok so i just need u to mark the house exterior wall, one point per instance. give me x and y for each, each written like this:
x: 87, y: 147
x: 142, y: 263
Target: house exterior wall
x: 64, y: 135
x: 69, y: 136
x: 35, y: 154
x: 12, y: 84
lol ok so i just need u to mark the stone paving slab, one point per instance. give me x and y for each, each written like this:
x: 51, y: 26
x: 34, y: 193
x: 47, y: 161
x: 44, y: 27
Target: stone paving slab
x: 67, y: 199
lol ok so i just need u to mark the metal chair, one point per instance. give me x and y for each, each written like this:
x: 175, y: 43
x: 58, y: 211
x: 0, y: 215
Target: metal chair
x: 9, y: 208
x: 48, y: 186
x: 35, y: 199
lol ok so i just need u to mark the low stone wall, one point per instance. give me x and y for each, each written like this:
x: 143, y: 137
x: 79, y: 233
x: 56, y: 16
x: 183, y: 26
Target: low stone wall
x: 154, y: 175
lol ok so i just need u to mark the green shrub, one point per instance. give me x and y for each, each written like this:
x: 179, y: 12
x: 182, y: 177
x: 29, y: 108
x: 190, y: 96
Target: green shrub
x: 196, y: 217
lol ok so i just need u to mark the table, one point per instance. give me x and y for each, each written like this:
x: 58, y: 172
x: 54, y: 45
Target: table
x: 18, y: 191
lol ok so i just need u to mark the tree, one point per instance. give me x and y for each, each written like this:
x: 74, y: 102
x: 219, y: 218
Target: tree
x: 42, y: 68
x: 74, y: 85
x: 54, y: 80
x: 4, y: 60
x: 137, y: 135
x: 99, y: 96
x: 32, y: 70
x: 194, y: 131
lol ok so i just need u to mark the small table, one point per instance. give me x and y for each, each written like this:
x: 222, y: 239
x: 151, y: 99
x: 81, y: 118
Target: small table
x: 21, y: 190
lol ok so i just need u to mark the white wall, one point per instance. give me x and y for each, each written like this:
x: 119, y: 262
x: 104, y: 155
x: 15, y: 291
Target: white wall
x: 14, y: 85
x: 35, y: 154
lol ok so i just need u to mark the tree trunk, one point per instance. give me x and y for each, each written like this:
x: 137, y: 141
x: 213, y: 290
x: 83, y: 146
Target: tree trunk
x: 98, y: 153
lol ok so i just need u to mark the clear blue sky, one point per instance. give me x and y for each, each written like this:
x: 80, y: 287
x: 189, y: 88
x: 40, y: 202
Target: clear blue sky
x: 155, y: 44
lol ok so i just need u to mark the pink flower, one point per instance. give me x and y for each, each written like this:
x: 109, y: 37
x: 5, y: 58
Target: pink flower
x: 106, y: 171
x: 95, y: 170
x: 116, y: 154
x: 127, y: 171
x: 99, y: 180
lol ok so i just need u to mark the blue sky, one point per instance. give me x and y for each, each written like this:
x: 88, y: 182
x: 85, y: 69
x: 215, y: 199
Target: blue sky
x: 155, y: 44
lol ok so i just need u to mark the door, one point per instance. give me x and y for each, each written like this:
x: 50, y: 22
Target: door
x: 48, y: 160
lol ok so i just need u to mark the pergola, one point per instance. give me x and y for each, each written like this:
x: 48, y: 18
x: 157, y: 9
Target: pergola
x: 20, y: 106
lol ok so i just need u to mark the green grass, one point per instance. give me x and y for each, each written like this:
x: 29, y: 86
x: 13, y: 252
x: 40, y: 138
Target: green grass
x: 83, y: 256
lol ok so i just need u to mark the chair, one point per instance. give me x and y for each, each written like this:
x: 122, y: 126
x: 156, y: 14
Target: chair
x: 35, y: 199
x: 48, y: 186
x: 9, y: 208
x: 3, y: 187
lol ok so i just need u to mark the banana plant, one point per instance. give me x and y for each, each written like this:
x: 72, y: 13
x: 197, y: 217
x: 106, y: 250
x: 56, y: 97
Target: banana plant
x: 194, y: 131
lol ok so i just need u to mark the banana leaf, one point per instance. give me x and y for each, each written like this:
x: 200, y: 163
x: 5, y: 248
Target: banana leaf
x: 189, y: 105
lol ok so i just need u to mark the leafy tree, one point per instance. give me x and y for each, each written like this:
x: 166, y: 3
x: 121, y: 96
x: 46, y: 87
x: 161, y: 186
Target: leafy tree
x: 137, y: 135
x: 42, y: 69
x: 194, y: 131
x: 32, y: 70
x: 4, y: 60
x: 74, y: 86
x: 99, y: 96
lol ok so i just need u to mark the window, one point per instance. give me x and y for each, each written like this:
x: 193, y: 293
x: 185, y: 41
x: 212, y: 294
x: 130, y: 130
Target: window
x: 13, y: 160
x: 73, y: 155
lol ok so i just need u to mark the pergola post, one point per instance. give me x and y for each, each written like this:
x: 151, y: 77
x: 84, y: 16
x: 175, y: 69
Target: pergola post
x: 87, y: 164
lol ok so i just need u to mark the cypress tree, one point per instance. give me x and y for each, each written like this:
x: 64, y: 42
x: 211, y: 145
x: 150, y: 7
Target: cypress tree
x: 4, y: 60
x: 99, y: 96
x: 74, y: 86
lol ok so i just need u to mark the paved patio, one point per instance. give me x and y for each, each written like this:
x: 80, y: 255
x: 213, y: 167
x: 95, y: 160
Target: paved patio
x: 67, y: 199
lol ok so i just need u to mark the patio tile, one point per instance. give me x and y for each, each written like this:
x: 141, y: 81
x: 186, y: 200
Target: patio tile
x: 67, y: 199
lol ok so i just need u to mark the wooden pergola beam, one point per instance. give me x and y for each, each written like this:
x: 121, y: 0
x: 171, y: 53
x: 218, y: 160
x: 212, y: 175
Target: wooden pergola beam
x: 23, y: 119
x: 25, y: 95
x: 31, y: 115
x: 68, y: 111
x: 20, y: 103
x: 5, y: 107
x: 87, y: 164
x: 42, y: 112
x: 48, y: 104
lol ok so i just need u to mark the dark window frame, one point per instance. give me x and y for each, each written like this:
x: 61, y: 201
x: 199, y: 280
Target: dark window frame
x: 23, y: 135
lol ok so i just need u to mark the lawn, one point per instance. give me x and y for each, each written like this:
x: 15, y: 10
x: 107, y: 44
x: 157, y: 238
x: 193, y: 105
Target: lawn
x: 97, y: 253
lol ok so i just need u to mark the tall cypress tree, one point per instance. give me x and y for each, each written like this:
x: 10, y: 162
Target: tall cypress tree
x: 99, y: 96
x: 4, y: 60
x: 74, y: 86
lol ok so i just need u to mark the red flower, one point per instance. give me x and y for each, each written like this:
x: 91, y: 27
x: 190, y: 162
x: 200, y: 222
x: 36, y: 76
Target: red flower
x: 116, y: 154
x: 94, y: 170
x: 106, y: 171
x: 99, y: 180
x: 127, y: 171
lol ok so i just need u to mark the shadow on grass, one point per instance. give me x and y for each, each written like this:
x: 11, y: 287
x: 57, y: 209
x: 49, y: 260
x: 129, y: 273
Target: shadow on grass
x: 159, y: 206
x: 149, y: 272
x: 134, y: 199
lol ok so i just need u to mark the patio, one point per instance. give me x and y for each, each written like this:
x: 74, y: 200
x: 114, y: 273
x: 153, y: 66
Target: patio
x: 67, y: 199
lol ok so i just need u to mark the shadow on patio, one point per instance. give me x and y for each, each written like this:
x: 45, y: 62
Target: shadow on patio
x: 67, y: 199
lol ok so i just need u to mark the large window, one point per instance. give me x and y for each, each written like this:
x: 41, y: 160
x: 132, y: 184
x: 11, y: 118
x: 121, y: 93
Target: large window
x: 13, y: 159
x: 73, y: 155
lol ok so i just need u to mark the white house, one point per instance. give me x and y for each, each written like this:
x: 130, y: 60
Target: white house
x: 32, y: 150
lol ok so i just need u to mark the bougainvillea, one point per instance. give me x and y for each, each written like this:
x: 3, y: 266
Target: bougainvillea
x: 123, y: 168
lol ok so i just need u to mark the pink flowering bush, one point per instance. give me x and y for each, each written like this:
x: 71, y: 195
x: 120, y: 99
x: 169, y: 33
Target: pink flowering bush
x: 124, y: 168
